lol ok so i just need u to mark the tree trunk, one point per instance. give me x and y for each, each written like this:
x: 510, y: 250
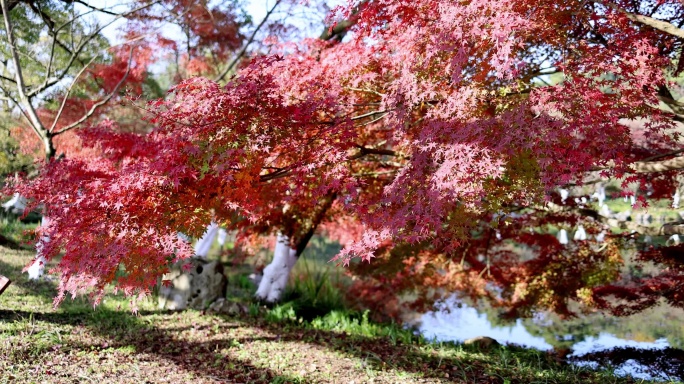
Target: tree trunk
x: 204, y: 243
x: 276, y: 274
x: 49, y: 146
x: 36, y: 269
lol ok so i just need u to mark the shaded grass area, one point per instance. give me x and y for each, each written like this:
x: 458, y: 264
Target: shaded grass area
x: 76, y: 343
x: 14, y: 233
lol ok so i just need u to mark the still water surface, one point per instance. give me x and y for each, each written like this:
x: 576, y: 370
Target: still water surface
x: 660, y: 328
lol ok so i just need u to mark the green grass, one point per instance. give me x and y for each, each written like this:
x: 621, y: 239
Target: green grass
x: 76, y: 343
x: 16, y: 230
x: 314, y: 289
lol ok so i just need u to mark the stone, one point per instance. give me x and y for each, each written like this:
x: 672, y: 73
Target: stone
x: 624, y: 216
x: 672, y: 241
x: 195, y: 283
x: 224, y: 306
x: 482, y: 342
x: 563, y: 236
x: 36, y: 270
x: 601, y: 195
x: 646, y: 219
x: 605, y: 211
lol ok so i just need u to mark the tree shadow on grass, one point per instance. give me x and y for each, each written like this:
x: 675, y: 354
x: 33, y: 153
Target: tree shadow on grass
x: 205, y: 358
x: 467, y: 364
x: 42, y: 287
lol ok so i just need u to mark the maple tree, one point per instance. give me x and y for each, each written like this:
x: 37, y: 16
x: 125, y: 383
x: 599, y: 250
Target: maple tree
x: 429, y: 140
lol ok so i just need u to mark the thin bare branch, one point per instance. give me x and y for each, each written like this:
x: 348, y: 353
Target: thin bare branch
x: 8, y: 79
x: 243, y: 50
x: 649, y: 166
x: 660, y: 156
x: 100, y: 103
x: 94, y: 8
x: 19, y: 78
x: 660, y: 25
x: 375, y: 120
x: 82, y: 44
x: 21, y: 110
x: 68, y: 91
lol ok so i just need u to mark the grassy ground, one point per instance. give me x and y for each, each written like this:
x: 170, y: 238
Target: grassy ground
x: 108, y: 344
x: 15, y: 232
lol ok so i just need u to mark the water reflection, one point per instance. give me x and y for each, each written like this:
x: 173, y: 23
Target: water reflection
x: 456, y: 321
x: 606, y: 341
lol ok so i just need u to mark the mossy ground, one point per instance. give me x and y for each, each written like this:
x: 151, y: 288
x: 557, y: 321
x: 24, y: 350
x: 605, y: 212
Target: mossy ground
x: 109, y: 344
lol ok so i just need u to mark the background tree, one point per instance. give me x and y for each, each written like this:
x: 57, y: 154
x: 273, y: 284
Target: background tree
x: 50, y: 47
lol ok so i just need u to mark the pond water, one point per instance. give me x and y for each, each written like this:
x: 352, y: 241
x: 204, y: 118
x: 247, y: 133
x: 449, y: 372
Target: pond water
x: 655, y: 330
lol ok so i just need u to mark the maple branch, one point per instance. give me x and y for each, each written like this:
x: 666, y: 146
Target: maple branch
x: 318, y: 216
x: 11, y: 5
x: 374, y: 174
x: 275, y: 175
x: 660, y: 25
x: 658, y: 166
x: 375, y: 120
x: 647, y: 165
x: 671, y: 153
x: 369, y: 114
x: 99, y: 103
x: 249, y: 42
x: 365, y: 90
x: 667, y: 229
x: 338, y: 30
x: 55, y: 41
x: 363, y: 151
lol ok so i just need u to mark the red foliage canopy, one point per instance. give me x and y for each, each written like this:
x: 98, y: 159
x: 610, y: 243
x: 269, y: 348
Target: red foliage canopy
x: 429, y: 125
